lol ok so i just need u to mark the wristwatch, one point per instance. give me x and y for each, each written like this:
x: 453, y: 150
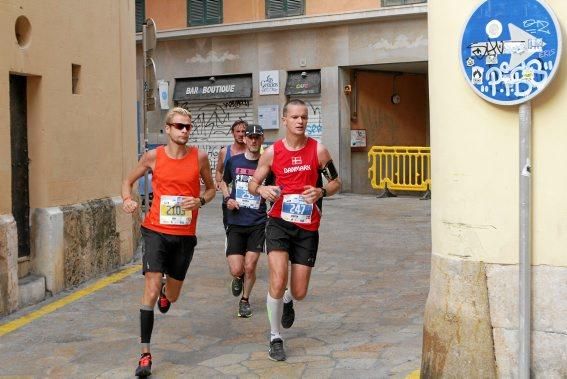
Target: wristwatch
x: 203, y: 201
x: 324, y: 192
x: 226, y: 199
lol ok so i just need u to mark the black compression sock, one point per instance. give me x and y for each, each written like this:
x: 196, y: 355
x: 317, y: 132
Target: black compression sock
x: 146, y: 325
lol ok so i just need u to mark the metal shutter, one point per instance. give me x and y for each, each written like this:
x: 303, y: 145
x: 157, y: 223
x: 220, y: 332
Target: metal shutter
x: 213, y: 12
x: 294, y: 7
x: 196, y: 12
x: 140, y: 14
x: 275, y: 8
x: 212, y: 122
x: 204, y: 12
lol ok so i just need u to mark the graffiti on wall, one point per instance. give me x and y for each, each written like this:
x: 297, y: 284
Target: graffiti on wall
x: 212, y: 122
x: 314, y: 125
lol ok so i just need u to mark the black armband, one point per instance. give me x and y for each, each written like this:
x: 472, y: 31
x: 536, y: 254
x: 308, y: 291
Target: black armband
x: 329, y: 171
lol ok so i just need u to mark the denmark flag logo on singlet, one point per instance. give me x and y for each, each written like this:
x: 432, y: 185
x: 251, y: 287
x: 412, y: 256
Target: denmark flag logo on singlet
x: 295, y: 160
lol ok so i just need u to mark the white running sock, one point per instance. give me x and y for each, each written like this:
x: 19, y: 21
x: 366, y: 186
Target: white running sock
x: 287, y: 296
x: 275, y: 311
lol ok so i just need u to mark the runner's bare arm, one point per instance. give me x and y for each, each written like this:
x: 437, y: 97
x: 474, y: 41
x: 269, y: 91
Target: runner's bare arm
x: 264, y: 167
x: 219, y: 168
x: 147, y: 161
x: 312, y: 194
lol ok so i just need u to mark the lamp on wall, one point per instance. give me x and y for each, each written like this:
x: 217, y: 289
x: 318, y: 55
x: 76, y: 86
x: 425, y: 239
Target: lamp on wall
x: 212, y: 79
x: 303, y: 74
x: 395, y: 98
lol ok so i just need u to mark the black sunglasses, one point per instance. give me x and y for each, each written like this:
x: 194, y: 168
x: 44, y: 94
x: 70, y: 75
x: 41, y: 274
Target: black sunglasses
x: 180, y: 126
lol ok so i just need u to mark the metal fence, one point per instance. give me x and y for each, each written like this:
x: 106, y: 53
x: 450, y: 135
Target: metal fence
x: 406, y: 168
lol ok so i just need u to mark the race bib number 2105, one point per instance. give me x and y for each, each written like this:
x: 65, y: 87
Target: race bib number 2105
x: 171, y: 213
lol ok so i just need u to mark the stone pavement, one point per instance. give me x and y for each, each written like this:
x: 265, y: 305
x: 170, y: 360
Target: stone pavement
x: 362, y: 317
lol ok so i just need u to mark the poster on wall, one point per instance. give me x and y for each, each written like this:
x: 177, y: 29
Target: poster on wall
x: 268, y: 116
x: 358, y: 138
x: 163, y: 94
x: 269, y: 82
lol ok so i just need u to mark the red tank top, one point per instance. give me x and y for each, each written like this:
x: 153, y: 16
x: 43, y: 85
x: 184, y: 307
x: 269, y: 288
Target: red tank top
x: 173, y: 179
x: 294, y: 170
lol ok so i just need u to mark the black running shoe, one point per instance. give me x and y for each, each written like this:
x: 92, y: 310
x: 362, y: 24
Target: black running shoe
x: 144, y: 366
x: 276, y: 352
x: 244, y: 309
x: 163, y: 303
x: 288, y: 315
x: 236, y: 286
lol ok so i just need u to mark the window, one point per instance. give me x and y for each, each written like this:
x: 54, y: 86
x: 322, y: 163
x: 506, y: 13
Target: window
x: 140, y: 14
x: 391, y: 3
x: 75, y: 76
x: 204, y: 12
x: 284, y: 8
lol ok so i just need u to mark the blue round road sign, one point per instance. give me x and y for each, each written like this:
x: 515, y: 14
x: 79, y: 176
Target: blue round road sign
x: 510, y: 50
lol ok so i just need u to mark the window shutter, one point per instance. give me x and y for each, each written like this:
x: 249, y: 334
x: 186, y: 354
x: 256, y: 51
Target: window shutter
x: 140, y: 14
x: 275, y: 8
x: 213, y: 12
x: 196, y: 10
x: 294, y: 8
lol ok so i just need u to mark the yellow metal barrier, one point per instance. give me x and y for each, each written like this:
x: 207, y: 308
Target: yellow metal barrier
x: 406, y: 168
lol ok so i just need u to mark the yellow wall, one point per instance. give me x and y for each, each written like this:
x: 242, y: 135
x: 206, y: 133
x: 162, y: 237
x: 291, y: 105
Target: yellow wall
x: 475, y: 156
x: 313, y: 7
x: 170, y: 14
x: 243, y: 10
x: 80, y: 145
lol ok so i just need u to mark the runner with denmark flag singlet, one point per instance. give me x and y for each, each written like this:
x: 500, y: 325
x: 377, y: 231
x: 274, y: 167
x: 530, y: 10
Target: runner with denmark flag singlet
x: 292, y: 235
x: 170, y: 225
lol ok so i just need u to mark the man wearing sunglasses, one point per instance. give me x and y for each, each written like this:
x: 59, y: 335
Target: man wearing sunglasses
x: 237, y: 129
x: 169, y: 227
x: 246, y: 217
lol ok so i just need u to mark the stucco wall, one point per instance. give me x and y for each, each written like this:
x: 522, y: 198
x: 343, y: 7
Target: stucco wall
x: 475, y: 156
x: 325, y: 48
x: 79, y: 144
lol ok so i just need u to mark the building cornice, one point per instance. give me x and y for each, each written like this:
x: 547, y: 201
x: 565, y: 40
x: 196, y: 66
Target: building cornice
x: 382, y: 14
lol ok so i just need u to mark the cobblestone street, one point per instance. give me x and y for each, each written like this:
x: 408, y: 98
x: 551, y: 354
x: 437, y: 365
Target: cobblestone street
x: 362, y: 318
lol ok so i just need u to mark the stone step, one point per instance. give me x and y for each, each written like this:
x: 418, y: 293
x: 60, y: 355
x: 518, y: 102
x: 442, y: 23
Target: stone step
x: 31, y: 290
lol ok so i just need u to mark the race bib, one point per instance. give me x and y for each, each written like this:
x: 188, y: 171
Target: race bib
x: 244, y: 198
x: 171, y: 213
x: 295, y: 209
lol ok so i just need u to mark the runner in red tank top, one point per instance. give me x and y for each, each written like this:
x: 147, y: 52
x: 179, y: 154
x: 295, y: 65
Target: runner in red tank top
x: 169, y: 227
x: 293, y: 223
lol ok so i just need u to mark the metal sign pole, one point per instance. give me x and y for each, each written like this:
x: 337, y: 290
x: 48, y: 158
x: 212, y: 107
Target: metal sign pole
x: 525, y: 274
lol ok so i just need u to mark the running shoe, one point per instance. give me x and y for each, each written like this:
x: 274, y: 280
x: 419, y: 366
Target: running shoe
x: 288, y: 315
x: 236, y: 286
x: 244, y: 309
x: 163, y: 303
x: 276, y: 352
x: 144, y: 366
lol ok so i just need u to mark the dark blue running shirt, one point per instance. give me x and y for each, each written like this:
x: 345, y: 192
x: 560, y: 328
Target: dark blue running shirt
x: 238, y: 171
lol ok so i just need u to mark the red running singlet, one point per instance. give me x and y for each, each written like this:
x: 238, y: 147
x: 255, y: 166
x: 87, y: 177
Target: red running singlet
x: 172, y: 180
x: 294, y: 170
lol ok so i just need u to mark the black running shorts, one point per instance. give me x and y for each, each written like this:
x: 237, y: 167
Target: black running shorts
x: 300, y: 244
x: 241, y: 239
x: 167, y: 253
